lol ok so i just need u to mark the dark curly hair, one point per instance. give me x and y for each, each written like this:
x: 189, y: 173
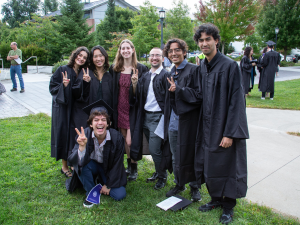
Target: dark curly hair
x: 104, y: 53
x: 265, y: 50
x: 98, y: 113
x: 209, y: 29
x: 181, y: 43
x: 247, y: 51
x: 74, y: 55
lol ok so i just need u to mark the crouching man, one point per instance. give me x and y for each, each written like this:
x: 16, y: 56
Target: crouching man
x: 99, y: 151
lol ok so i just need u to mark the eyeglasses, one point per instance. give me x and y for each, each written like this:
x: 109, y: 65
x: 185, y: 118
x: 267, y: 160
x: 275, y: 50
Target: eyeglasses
x: 155, y: 55
x: 176, y: 50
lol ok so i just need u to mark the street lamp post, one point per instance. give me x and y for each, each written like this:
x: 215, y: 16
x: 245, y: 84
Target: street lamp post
x: 162, y: 16
x: 276, y: 32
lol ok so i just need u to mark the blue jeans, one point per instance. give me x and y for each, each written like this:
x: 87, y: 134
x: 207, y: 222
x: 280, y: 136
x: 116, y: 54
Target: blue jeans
x: 173, y: 145
x: 16, y: 70
x: 87, y: 179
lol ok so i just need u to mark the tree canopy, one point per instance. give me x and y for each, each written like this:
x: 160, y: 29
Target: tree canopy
x: 234, y: 18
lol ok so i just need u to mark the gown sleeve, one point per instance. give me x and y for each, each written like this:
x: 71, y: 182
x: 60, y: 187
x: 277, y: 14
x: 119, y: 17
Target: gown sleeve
x: 56, y: 87
x: 81, y: 88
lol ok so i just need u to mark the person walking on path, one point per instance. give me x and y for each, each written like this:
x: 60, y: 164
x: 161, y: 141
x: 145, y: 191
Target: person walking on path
x: 14, y: 56
x: 270, y: 63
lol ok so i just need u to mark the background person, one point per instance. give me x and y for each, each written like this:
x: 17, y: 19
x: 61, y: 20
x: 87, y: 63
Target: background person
x: 60, y: 88
x: 15, y: 67
x: 247, y: 69
x: 126, y: 115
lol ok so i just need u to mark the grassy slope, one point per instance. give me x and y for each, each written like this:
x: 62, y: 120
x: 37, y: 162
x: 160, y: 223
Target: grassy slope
x: 33, y: 192
x: 287, y: 96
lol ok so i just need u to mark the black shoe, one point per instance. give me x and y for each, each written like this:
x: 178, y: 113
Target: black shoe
x: 161, y: 183
x: 209, y: 206
x: 196, y: 196
x: 22, y: 91
x: 176, y: 190
x: 153, y: 178
x: 227, y: 216
x: 128, y: 166
x: 87, y: 204
x: 133, y: 172
x: 14, y: 89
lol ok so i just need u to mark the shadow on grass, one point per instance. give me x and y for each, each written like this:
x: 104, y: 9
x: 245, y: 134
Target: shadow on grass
x: 33, y: 189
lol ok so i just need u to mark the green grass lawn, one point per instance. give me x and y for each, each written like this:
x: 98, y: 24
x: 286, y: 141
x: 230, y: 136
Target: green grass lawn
x: 287, y: 96
x: 33, y: 189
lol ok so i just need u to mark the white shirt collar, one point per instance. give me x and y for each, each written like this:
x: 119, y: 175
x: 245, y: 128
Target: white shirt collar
x: 158, y: 70
x: 107, y: 138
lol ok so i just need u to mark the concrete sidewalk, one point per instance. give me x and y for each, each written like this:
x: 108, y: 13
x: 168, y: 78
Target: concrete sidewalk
x: 273, y: 155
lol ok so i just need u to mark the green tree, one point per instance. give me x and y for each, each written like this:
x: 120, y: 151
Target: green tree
x: 72, y: 28
x: 17, y: 11
x: 145, y: 29
x: 235, y: 18
x: 179, y: 24
x: 107, y: 26
x: 115, y: 42
x: 285, y: 15
x: 49, y: 6
x: 255, y: 41
x: 125, y: 15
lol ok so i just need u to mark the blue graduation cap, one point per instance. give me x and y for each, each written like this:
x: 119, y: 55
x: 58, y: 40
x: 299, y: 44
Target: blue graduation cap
x: 94, y: 195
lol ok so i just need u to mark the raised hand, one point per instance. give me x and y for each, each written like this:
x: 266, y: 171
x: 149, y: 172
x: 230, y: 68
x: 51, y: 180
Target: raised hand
x: 82, y: 139
x: 135, y: 76
x: 86, y: 76
x: 66, y: 81
x: 173, y: 85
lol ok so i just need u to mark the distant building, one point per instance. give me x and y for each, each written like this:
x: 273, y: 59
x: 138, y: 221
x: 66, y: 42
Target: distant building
x: 94, y: 12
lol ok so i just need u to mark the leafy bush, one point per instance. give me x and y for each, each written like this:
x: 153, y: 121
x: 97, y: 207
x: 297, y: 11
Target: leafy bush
x: 33, y: 50
x: 146, y: 64
x: 4, y: 50
x: 285, y: 64
x: 58, y: 64
x: 192, y: 60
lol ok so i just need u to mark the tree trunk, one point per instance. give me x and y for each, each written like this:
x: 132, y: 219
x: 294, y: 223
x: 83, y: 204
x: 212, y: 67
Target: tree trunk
x: 223, y: 47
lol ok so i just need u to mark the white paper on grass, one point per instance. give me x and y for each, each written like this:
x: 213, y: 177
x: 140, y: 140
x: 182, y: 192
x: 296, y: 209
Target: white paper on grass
x: 18, y: 60
x: 159, y: 131
x: 168, y: 203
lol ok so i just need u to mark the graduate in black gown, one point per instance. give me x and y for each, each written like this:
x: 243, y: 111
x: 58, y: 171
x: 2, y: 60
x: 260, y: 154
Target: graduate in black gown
x: 270, y: 64
x: 259, y: 64
x: 246, y: 69
x: 92, y: 84
x: 60, y: 88
x: 220, y: 154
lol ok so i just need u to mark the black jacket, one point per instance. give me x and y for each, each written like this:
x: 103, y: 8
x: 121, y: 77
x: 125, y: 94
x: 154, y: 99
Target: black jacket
x: 113, y: 157
x: 136, y: 148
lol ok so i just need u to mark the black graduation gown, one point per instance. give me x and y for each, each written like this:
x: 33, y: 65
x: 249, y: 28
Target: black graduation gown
x: 140, y: 97
x: 62, y: 103
x: 188, y: 118
x: 246, y: 69
x: 259, y: 67
x: 223, y: 115
x: 134, y: 114
x: 113, y: 157
x: 85, y: 93
x: 270, y: 63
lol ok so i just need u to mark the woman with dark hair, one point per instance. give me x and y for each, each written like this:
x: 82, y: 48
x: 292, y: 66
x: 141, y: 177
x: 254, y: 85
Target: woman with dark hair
x: 125, y: 115
x: 259, y: 66
x: 91, y: 85
x: 253, y: 72
x: 246, y: 68
x: 60, y: 88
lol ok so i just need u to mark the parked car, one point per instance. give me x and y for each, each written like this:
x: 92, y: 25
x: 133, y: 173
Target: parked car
x: 281, y: 57
x: 144, y: 56
x: 291, y: 58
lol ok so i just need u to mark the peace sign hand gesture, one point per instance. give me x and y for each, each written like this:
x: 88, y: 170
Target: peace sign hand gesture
x: 135, y: 77
x: 66, y: 81
x: 82, y: 139
x: 86, y: 76
x: 173, y: 85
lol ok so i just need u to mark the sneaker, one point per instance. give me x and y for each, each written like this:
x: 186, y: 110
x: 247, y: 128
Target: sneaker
x: 14, y: 89
x: 87, y: 204
x: 153, y: 178
x: 210, y: 206
x: 271, y: 98
x: 22, y: 91
x: 196, y: 196
x: 176, y: 190
x: 161, y: 183
x: 227, y: 216
x: 262, y: 98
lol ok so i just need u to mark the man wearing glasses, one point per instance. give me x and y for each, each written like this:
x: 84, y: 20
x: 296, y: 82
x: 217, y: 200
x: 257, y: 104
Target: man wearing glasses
x: 180, y: 122
x: 149, y: 92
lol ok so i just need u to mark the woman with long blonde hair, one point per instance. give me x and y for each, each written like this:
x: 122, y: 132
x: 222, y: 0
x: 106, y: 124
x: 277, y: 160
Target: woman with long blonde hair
x: 125, y: 115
